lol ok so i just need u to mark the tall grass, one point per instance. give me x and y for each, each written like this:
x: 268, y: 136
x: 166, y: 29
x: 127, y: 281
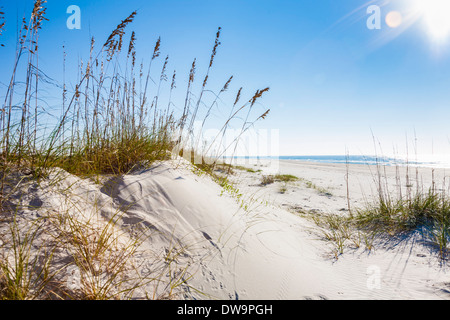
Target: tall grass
x: 2, y: 24
x: 113, y: 119
x: 409, y: 207
x: 108, y: 122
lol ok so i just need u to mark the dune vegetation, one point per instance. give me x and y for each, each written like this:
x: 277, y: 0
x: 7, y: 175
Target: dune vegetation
x: 113, y: 120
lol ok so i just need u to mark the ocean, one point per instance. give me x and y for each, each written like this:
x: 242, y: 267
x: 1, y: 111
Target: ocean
x: 367, y: 160
x: 428, y: 161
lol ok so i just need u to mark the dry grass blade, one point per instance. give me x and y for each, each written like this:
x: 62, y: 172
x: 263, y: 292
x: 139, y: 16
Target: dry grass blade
x: 38, y: 13
x: 2, y: 24
x: 24, y: 270
x: 115, y: 39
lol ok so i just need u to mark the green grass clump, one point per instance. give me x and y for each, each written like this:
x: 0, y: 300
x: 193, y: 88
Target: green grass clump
x: 247, y: 169
x: 283, y: 189
x: 285, y: 177
x: 269, y: 179
x: 321, y: 190
x: 265, y: 180
x: 429, y: 212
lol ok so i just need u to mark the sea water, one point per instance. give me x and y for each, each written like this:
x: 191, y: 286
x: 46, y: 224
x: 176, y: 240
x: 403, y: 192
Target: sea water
x: 421, y: 161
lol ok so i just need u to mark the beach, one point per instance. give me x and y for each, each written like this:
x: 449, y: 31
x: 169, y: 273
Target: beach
x: 325, y: 186
x: 242, y: 241
x: 407, y: 267
x: 309, y: 160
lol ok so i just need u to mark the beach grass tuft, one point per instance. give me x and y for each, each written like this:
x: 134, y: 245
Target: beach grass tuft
x: 269, y: 179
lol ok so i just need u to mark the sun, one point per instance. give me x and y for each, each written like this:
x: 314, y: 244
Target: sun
x: 435, y: 14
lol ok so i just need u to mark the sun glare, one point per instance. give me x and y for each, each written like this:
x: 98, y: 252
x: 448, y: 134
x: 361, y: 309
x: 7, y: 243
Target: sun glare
x: 436, y: 17
x: 394, y: 19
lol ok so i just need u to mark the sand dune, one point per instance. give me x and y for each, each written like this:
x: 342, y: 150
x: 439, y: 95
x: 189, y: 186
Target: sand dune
x: 245, y: 246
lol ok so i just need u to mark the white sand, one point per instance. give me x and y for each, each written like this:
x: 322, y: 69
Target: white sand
x: 406, y: 268
x: 262, y: 251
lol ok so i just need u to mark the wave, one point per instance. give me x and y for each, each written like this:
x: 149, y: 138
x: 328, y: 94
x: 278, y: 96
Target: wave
x: 364, y: 160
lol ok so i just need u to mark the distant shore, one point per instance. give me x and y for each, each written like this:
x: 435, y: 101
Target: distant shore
x: 425, y: 161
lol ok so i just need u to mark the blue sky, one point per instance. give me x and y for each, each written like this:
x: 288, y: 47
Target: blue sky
x: 334, y: 82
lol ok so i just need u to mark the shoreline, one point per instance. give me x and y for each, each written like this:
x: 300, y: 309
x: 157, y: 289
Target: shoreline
x: 427, y: 161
